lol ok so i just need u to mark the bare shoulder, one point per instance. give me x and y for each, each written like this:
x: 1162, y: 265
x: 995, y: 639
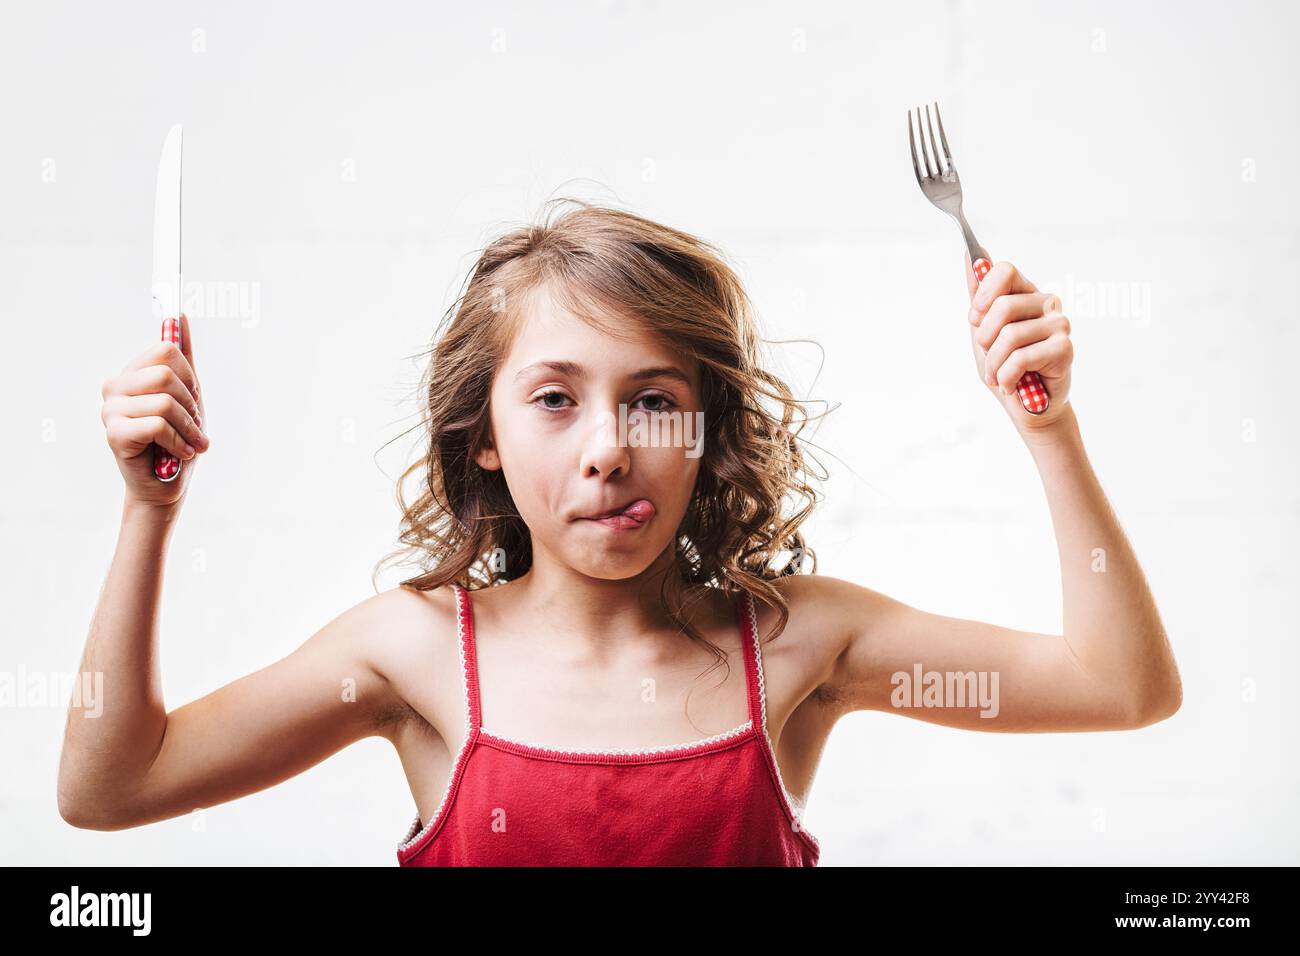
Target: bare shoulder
x: 411, y: 639
x: 800, y: 661
x: 825, y: 612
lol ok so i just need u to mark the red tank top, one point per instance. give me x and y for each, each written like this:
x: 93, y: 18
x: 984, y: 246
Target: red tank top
x: 718, y: 801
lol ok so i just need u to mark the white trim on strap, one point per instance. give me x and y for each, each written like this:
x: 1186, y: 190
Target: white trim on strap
x: 414, y: 834
x: 796, y: 808
x: 726, y: 734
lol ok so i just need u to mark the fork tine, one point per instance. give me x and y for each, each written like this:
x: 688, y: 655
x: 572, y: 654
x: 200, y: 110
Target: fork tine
x: 934, y: 143
x: 946, y: 152
x: 911, y: 141
x: 925, y: 152
x: 926, y: 170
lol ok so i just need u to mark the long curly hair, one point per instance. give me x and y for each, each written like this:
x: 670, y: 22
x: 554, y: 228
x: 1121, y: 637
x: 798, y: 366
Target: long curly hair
x: 600, y: 261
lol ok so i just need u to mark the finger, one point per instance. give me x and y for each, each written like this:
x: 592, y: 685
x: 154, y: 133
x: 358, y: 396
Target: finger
x: 972, y: 283
x: 160, y: 405
x: 131, y: 436
x: 1013, y: 308
x: 157, y: 378
x: 167, y: 353
x: 1003, y: 279
x: 187, y: 349
x: 1034, y: 357
x: 1018, y: 335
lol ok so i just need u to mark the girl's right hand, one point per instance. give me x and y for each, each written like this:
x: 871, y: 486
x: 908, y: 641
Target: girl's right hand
x: 156, y: 400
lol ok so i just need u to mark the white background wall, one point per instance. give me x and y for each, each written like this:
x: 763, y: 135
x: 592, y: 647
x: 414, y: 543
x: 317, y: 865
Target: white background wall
x: 342, y: 165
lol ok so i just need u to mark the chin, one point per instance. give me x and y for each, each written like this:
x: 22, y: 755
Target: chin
x: 610, y: 574
x: 612, y: 563
x: 612, y: 567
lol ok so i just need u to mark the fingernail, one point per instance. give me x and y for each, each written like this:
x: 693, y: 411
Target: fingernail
x: 189, y: 451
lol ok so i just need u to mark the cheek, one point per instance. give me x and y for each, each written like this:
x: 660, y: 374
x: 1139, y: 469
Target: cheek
x: 533, y: 472
x: 670, y: 473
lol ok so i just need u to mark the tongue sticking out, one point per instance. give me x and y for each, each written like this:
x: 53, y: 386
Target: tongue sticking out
x: 639, y: 510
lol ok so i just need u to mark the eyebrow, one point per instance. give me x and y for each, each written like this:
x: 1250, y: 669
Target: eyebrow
x: 574, y: 370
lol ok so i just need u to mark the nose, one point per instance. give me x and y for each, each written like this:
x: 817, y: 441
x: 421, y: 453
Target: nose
x: 601, y: 452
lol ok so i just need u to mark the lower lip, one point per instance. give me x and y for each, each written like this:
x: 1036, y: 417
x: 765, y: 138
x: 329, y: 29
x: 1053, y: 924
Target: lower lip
x: 618, y: 522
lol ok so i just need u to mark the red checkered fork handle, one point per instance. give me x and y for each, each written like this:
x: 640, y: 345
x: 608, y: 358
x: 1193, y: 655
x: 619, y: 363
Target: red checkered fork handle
x: 1032, y: 391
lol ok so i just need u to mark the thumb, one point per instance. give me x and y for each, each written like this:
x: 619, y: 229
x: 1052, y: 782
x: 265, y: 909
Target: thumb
x: 972, y: 284
x: 187, y: 341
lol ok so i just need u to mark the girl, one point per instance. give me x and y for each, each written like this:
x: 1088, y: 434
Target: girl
x: 602, y: 513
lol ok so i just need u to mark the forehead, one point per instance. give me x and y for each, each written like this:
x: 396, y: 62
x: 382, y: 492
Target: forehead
x: 548, y: 331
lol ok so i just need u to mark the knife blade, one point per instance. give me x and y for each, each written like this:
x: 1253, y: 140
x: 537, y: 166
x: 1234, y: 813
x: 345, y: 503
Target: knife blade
x: 167, y: 266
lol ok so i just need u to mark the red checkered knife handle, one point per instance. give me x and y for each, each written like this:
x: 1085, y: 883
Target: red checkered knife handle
x: 1032, y: 391
x: 167, y: 466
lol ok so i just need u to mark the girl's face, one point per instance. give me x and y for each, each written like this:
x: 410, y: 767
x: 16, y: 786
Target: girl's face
x: 583, y: 423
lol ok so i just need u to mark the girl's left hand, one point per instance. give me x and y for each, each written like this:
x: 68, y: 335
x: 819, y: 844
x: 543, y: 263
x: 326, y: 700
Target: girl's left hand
x: 1017, y: 329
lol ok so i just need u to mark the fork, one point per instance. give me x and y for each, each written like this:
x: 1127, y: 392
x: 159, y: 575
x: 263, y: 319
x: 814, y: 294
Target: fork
x: 942, y: 187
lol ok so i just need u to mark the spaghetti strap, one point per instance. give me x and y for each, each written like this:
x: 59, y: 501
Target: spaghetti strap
x: 753, y: 664
x: 468, y: 656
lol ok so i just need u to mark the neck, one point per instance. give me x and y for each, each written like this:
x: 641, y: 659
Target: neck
x: 599, y: 619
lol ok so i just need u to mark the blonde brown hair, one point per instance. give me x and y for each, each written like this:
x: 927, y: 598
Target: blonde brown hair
x: 599, y: 261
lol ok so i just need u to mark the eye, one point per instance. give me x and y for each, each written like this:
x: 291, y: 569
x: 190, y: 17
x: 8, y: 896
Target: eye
x: 667, y: 402
x: 553, y: 393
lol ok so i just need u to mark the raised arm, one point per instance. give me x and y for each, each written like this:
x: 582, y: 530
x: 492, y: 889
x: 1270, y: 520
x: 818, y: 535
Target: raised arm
x: 1112, y: 668
x: 1024, y: 681
x: 134, y: 763
x: 126, y: 761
